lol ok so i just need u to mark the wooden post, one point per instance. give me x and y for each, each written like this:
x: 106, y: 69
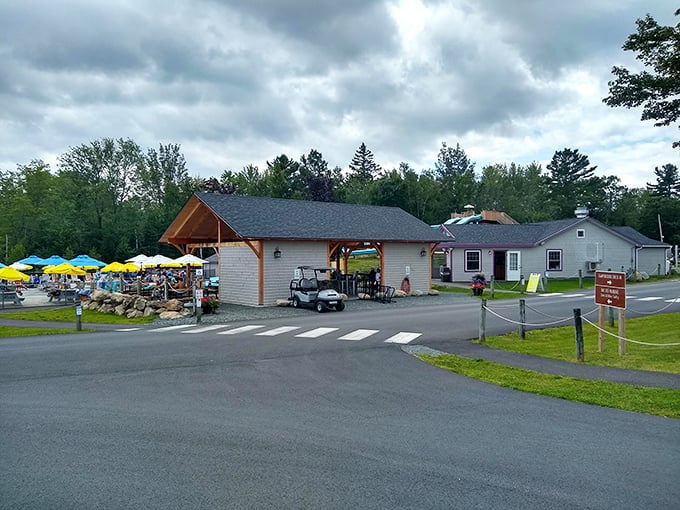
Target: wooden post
x: 610, y: 319
x: 578, y: 325
x: 522, y: 284
x: 600, y: 332
x: 622, y: 331
x: 492, y: 286
x: 482, y: 322
x: 522, y: 318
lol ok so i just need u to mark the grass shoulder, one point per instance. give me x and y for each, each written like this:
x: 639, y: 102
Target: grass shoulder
x: 656, y: 401
x: 68, y: 314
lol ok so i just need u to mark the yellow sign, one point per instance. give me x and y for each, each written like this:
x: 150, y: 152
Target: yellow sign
x: 534, y: 278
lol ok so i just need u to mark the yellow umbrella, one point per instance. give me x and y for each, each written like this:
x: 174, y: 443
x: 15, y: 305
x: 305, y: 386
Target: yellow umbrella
x: 129, y: 268
x: 65, y: 268
x: 11, y: 274
x: 113, y: 267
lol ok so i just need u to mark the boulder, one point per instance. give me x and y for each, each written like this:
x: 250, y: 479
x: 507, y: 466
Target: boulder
x: 139, y: 304
x: 433, y: 292
x: 416, y: 293
x: 120, y: 309
x: 173, y: 305
x: 133, y: 314
x: 170, y: 315
x: 400, y: 293
x: 282, y: 302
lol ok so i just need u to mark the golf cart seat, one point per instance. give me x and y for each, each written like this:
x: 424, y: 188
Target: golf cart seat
x: 307, y: 285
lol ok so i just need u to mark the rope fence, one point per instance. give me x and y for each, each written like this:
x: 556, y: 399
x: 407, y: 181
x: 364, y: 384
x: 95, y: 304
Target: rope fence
x: 628, y: 339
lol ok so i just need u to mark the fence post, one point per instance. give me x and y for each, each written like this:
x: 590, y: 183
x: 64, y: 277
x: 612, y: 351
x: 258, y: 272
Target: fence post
x: 522, y: 284
x: 622, y: 331
x: 600, y: 332
x: 580, y: 278
x: 610, y: 320
x: 522, y: 318
x: 492, y: 285
x: 482, y: 322
x: 578, y: 325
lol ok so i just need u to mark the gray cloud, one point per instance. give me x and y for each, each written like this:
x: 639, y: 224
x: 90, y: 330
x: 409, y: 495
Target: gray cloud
x: 239, y: 82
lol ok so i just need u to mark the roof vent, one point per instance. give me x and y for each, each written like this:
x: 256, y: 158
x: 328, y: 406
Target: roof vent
x: 581, y: 212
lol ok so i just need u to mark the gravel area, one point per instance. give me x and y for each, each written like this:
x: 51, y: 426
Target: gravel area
x: 234, y: 313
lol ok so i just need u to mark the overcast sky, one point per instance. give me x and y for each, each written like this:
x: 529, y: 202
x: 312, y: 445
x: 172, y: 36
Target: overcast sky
x: 240, y: 82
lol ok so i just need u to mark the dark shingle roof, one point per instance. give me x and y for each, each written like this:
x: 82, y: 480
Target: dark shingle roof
x: 277, y: 218
x: 532, y: 234
x: 513, y: 235
x: 638, y: 238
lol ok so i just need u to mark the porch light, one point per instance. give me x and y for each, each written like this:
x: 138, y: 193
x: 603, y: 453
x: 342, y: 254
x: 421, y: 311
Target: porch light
x: 423, y: 252
x: 277, y: 253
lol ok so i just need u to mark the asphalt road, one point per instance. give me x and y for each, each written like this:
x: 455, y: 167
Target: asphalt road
x: 166, y: 419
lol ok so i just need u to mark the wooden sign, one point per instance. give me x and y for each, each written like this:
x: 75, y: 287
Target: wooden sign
x: 610, y: 288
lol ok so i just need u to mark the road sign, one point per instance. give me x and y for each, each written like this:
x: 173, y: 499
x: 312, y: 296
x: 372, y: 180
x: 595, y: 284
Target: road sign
x: 610, y: 288
x: 610, y: 279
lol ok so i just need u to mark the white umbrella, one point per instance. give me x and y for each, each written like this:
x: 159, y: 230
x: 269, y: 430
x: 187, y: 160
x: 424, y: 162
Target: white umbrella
x: 190, y: 259
x: 158, y: 260
x: 138, y: 259
x: 19, y: 266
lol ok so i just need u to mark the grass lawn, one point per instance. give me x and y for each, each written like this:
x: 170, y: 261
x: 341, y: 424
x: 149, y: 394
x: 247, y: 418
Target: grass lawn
x: 559, y: 343
x: 657, y: 401
x: 10, y: 331
x: 68, y: 314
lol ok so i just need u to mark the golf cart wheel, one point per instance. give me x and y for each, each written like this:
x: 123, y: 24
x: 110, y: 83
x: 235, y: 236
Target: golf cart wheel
x: 340, y: 306
x: 320, y: 306
x: 296, y: 302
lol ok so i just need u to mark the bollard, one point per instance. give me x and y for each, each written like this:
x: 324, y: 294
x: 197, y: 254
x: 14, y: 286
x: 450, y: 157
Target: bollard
x: 580, y: 278
x: 522, y: 284
x: 492, y: 286
x: 482, y: 322
x: 79, y: 314
x: 522, y: 319
x: 578, y: 326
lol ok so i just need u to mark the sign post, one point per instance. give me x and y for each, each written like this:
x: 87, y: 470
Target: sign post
x: 610, y: 290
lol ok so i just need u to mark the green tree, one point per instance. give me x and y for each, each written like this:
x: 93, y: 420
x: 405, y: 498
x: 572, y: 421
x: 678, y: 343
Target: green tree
x: 317, y: 181
x: 363, y: 166
x: 456, y: 173
x: 248, y: 181
x: 569, y: 182
x: 656, y: 90
x: 667, y: 181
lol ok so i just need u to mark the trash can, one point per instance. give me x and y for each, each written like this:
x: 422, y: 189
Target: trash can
x: 445, y: 274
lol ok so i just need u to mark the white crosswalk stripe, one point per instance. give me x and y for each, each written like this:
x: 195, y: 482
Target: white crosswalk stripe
x: 403, y: 337
x: 316, y: 333
x: 127, y: 329
x: 278, y: 331
x: 573, y: 295
x: 242, y: 329
x: 171, y: 328
x: 676, y: 300
x: 551, y: 294
x: 359, y: 334
x: 650, y: 298
x: 206, y: 328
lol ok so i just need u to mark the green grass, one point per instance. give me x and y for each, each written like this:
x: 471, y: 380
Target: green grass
x: 560, y: 343
x: 362, y: 263
x: 68, y: 314
x: 657, y: 401
x: 10, y: 331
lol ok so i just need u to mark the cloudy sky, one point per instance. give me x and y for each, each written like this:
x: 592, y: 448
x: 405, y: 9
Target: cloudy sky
x: 240, y: 82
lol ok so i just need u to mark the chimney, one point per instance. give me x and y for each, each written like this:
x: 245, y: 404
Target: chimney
x: 581, y: 212
x: 469, y: 210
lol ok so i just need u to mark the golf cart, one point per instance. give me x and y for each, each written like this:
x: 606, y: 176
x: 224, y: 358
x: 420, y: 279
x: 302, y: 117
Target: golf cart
x: 314, y: 292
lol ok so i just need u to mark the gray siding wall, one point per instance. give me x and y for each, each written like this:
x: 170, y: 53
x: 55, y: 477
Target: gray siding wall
x: 400, y: 258
x: 650, y: 258
x: 279, y: 272
x: 458, y: 266
x: 238, y: 275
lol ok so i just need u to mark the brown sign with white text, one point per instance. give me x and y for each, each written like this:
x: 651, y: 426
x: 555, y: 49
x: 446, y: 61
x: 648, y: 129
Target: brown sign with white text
x: 610, y: 288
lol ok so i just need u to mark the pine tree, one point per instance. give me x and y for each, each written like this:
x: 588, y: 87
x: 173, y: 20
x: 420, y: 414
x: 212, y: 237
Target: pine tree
x: 667, y: 181
x: 362, y: 164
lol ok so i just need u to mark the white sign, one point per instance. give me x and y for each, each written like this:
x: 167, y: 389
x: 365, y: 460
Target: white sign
x: 298, y: 274
x: 199, y: 294
x: 79, y: 310
x: 199, y: 272
x: 407, y: 270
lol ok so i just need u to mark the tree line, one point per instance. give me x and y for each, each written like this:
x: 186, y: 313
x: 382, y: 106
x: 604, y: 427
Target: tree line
x: 112, y: 199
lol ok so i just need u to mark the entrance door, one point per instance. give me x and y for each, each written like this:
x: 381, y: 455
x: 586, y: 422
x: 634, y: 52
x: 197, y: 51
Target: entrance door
x: 499, y: 265
x: 512, y: 266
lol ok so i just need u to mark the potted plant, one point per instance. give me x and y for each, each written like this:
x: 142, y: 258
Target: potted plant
x: 209, y: 304
x: 478, y: 284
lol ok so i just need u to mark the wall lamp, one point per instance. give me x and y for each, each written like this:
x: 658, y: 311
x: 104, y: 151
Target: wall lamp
x: 277, y: 253
x: 423, y: 252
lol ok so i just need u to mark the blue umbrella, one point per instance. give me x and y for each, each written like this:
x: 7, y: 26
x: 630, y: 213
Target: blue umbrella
x: 2, y: 265
x: 54, y: 260
x: 86, y: 261
x: 33, y: 260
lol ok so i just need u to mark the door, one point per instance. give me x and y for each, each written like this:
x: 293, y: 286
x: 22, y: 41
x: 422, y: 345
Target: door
x: 512, y: 266
x: 499, y: 265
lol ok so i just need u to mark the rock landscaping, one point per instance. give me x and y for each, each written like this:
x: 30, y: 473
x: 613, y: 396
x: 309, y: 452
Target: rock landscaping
x: 133, y: 306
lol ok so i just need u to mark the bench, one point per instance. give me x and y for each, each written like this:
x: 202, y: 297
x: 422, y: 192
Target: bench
x: 10, y: 297
x: 66, y: 296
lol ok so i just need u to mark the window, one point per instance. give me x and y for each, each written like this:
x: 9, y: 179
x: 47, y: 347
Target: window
x: 580, y: 233
x: 554, y: 260
x: 473, y: 260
